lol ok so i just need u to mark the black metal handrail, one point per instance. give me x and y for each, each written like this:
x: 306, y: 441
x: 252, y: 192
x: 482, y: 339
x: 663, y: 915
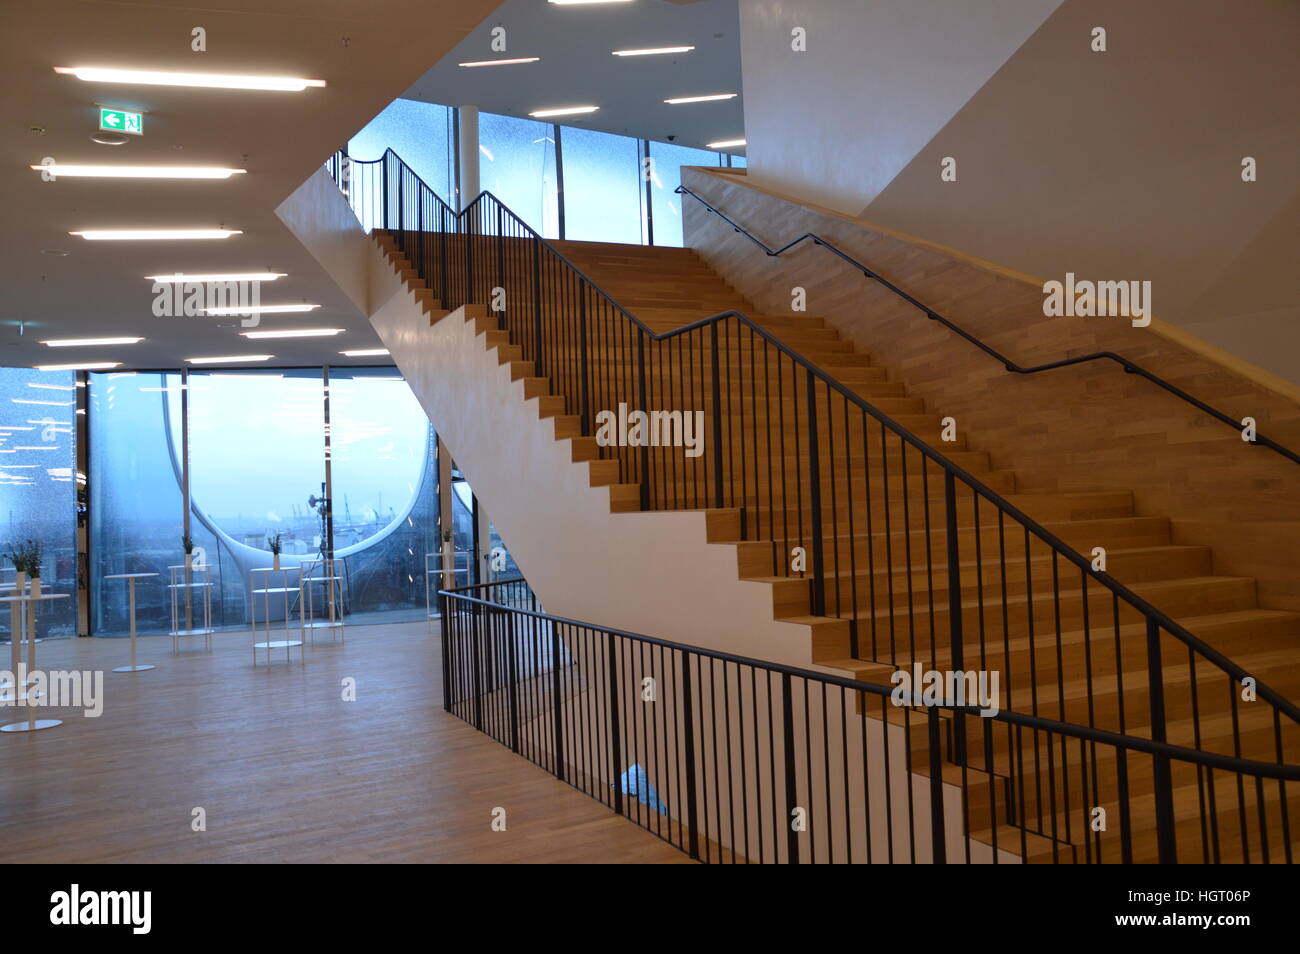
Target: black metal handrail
x: 595, y: 353
x: 1129, y: 367
x: 570, y: 696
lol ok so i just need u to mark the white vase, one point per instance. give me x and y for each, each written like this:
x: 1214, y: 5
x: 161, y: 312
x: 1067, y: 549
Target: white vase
x: 189, y: 593
x: 20, y: 587
x: 31, y: 613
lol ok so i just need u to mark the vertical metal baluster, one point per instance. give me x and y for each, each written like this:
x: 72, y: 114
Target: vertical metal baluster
x: 716, y: 449
x: 1164, y: 792
x: 817, y: 587
x: 791, y: 788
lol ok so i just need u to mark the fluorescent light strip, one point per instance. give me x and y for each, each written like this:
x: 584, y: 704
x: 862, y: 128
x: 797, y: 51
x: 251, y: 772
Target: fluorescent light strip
x: 575, y: 3
x: 522, y: 59
x: 563, y: 111
x: 140, y: 172
x: 98, y: 74
x: 180, y: 277
x: 128, y: 235
x: 653, y: 51
x: 257, y: 309
x: 230, y: 358
x: 726, y: 144
x: 295, y: 333
x: 711, y: 98
x: 88, y: 342
x: 365, y: 353
x: 84, y: 366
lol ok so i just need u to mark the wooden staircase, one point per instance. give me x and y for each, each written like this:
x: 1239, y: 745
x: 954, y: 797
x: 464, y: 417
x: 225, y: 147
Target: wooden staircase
x: 1071, y: 654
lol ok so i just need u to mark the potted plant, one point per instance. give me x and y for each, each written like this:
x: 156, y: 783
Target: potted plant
x: 275, y: 542
x: 17, y: 555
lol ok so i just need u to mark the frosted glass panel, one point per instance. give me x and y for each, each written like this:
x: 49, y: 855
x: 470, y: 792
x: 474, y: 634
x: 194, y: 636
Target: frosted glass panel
x: 603, y: 190
x: 517, y: 165
x: 666, y: 175
x: 38, y: 487
x: 420, y: 133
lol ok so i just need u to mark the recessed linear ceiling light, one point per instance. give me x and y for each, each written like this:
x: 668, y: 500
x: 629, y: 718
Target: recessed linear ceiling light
x: 654, y: 50
x: 257, y: 309
x: 180, y: 277
x: 231, y: 358
x: 140, y: 172
x: 294, y: 333
x: 711, y: 98
x: 563, y: 111
x: 83, y: 366
x: 574, y: 3
x: 521, y: 59
x: 97, y: 74
x: 725, y: 143
x: 126, y: 235
x: 87, y: 342
x: 365, y: 353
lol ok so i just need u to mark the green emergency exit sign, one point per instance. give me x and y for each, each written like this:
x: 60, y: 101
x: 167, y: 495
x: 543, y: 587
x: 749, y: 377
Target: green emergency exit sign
x: 120, y: 120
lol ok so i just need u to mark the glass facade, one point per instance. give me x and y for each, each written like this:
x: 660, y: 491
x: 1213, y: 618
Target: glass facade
x: 38, y: 485
x: 136, y: 511
x: 596, y: 180
x: 517, y: 165
x: 665, y: 171
x: 421, y: 133
x: 256, y: 442
x: 604, y: 200
x: 384, y: 478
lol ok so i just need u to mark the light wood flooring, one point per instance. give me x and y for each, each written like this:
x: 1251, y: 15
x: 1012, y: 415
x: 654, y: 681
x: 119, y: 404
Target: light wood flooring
x: 285, y: 769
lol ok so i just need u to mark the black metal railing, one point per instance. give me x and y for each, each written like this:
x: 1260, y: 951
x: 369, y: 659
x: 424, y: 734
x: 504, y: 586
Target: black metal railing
x: 1129, y: 366
x: 732, y: 759
x: 888, y: 550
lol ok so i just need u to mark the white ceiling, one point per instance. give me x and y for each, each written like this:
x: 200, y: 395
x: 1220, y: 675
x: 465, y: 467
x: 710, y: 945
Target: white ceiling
x: 575, y: 43
x: 367, y: 51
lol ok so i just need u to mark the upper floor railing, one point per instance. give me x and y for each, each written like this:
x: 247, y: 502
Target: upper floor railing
x: 887, y: 549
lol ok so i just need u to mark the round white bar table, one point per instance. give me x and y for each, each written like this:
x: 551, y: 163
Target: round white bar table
x: 9, y: 589
x: 130, y: 586
x: 24, y: 698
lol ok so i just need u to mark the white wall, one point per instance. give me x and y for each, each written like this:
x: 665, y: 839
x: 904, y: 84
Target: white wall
x: 833, y: 125
x: 1120, y: 165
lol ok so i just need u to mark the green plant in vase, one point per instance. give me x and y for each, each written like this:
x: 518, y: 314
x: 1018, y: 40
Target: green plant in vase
x: 275, y: 543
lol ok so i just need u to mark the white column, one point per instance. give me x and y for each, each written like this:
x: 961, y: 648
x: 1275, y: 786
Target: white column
x: 467, y: 157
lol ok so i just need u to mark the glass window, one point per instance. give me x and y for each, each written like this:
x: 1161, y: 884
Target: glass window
x: 256, y: 457
x: 603, y: 189
x: 665, y: 177
x: 420, y: 133
x: 136, y: 511
x: 38, y: 486
x: 739, y: 162
x: 384, y: 479
x: 517, y: 165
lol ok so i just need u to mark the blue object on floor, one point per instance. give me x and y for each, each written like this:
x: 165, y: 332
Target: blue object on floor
x: 634, y: 782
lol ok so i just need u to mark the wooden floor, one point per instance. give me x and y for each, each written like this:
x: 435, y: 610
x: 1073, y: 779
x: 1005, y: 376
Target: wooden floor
x: 286, y: 770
